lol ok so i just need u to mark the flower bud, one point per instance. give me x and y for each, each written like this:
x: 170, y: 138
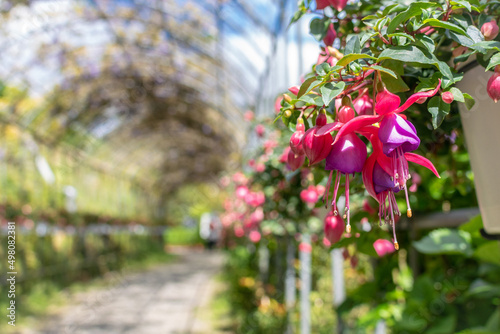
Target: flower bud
x: 317, y: 148
x: 309, y: 195
x: 383, y: 247
x: 493, y: 87
x: 334, y: 228
x: 447, y: 97
x: 259, y: 130
x: 489, y: 30
x: 294, y: 90
x: 287, y: 98
x: 345, y: 114
x: 363, y: 105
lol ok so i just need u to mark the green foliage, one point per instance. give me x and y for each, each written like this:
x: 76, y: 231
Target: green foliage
x: 182, y: 236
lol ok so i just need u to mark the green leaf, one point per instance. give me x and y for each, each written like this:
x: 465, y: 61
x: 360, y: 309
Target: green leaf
x: 494, y: 61
x: 351, y: 57
x: 469, y: 101
x: 402, y: 34
x: 318, y: 28
x: 298, y: 14
x: 415, y: 9
x: 457, y: 94
x: 329, y: 91
x: 462, y: 4
x: 426, y: 42
x: 307, y: 86
x: 488, y: 252
x: 438, y: 110
x: 443, y: 325
x: 445, y: 241
x: 381, y: 69
x: 308, y: 99
x: 322, y: 69
x: 352, y: 45
x: 446, y: 25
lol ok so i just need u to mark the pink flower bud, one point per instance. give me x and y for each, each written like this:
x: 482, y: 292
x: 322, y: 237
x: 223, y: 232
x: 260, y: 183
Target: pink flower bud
x: 296, y: 139
x: 309, y: 195
x: 363, y: 105
x: 320, y: 190
x: 331, y: 34
x: 490, y: 30
x: 294, y: 90
x: 447, y: 97
x: 345, y: 114
x: 334, y: 228
x: 259, y: 130
x: 295, y: 161
x: 239, y: 231
x: 383, y: 247
x: 493, y: 87
x: 277, y: 104
x: 254, y: 236
x: 249, y: 115
x: 242, y: 192
x: 317, y: 148
x: 305, y: 247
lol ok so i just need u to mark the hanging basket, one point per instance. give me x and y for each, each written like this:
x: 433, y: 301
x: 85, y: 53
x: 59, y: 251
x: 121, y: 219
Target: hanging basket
x: 482, y: 135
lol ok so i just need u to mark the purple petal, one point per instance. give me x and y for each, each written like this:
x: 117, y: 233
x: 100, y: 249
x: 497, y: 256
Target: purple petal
x: 348, y: 155
x: 396, y: 132
x: 382, y: 181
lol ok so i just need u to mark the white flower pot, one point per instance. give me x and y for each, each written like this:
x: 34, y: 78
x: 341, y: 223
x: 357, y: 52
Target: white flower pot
x: 482, y: 134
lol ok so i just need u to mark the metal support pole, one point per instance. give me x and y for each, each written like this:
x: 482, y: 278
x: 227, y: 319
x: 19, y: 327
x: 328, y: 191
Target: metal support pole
x: 305, y: 284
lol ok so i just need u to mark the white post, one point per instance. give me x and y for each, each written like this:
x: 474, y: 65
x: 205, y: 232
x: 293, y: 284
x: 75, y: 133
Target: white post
x: 339, y: 294
x: 305, y: 285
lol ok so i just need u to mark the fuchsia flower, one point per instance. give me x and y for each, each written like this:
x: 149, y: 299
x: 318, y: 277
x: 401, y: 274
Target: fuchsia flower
x: 385, y: 172
x: 334, y: 228
x: 383, y: 247
x: 315, y: 147
x: 259, y: 130
x: 337, y: 4
x: 277, y: 104
x: 254, y: 236
x: 296, y: 139
x: 309, y: 195
x: 294, y: 90
x: 242, y: 192
x: 295, y: 161
x: 363, y: 105
x: 255, y: 199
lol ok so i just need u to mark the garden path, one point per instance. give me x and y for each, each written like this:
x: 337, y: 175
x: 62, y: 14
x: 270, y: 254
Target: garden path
x: 165, y: 299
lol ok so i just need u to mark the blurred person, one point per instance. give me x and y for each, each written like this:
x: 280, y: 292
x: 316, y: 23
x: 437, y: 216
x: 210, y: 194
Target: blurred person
x: 210, y: 229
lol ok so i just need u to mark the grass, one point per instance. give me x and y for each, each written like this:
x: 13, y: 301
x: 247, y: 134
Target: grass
x: 182, y: 236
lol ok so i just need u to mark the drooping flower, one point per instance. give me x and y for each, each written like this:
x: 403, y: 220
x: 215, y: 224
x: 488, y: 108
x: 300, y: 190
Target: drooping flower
x: 317, y: 148
x: 383, y: 247
x: 337, y: 4
x: 397, y: 135
x: 334, y: 228
x: 296, y: 139
x: 347, y: 156
x: 295, y: 161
